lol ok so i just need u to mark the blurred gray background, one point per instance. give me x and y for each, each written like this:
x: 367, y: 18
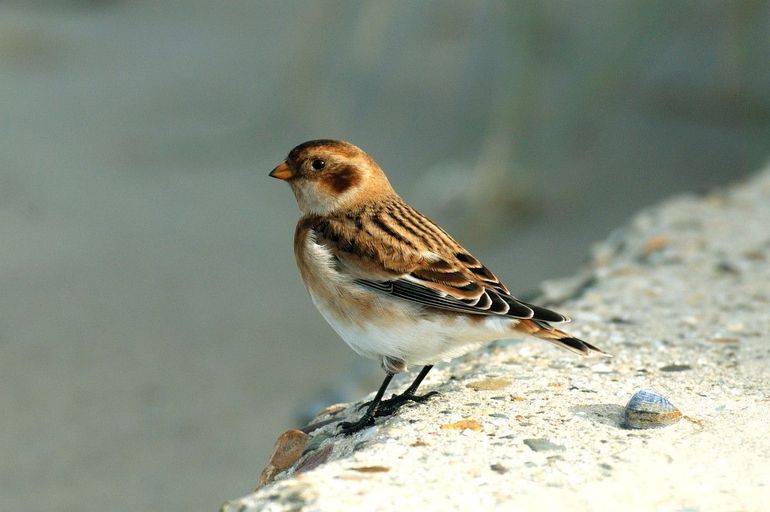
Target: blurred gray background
x: 154, y: 334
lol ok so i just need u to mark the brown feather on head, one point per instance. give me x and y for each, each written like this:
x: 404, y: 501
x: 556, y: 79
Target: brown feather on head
x: 331, y: 175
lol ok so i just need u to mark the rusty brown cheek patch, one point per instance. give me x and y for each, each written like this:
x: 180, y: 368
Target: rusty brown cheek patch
x: 342, y: 179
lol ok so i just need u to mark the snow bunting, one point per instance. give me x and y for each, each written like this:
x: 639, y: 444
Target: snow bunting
x: 395, y: 286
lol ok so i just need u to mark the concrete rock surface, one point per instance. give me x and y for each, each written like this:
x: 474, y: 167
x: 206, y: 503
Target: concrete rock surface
x: 680, y: 297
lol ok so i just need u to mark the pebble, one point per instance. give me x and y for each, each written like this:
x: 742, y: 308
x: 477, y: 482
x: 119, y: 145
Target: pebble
x: 314, y: 459
x: 288, y: 449
x: 725, y: 341
x: 499, y: 468
x: 675, y: 368
x: 649, y: 409
x: 371, y: 469
x: 602, y: 368
x: 542, y: 445
x: 332, y: 409
x: 489, y: 384
x: 464, y: 425
x: 654, y: 244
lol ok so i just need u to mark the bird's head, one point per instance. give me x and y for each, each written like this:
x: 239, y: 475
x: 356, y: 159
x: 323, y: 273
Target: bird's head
x: 331, y: 175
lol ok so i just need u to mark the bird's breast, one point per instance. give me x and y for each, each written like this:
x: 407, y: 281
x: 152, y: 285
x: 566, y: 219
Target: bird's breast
x: 343, y: 303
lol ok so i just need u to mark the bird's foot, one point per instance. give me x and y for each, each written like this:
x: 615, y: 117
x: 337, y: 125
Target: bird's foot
x: 394, y: 403
x: 385, y: 408
x: 347, y: 428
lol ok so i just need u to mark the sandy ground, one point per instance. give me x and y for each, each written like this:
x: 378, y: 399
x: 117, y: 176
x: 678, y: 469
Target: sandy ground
x: 680, y: 298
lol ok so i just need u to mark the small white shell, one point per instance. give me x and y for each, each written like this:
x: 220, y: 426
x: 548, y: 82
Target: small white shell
x: 649, y: 409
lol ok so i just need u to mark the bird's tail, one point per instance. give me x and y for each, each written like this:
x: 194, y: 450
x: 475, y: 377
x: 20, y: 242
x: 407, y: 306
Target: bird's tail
x: 544, y: 331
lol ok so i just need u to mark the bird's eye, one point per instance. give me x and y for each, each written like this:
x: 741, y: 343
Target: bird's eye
x: 317, y: 164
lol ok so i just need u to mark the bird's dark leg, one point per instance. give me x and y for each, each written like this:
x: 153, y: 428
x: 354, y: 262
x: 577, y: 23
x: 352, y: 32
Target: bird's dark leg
x: 392, y: 404
x: 348, y: 427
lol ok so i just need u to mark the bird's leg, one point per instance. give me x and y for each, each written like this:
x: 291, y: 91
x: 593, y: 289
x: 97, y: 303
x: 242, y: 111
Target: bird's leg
x: 392, y: 404
x: 348, y: 427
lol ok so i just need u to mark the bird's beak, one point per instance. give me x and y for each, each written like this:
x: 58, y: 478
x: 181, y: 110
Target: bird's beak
x: 282, y: 172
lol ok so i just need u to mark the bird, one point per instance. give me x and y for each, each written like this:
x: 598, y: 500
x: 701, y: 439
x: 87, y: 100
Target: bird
x: 394, y: 285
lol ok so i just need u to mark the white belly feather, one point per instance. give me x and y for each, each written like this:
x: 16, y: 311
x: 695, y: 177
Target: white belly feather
x: 386, y: 326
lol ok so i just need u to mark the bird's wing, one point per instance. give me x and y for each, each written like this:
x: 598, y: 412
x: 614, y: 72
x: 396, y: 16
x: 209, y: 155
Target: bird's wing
x: 391, y: 248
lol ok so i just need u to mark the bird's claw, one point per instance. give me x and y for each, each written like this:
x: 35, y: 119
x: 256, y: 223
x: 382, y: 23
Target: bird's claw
x: 367, y: 404
x: 347, y: 428
x: 391, y: 405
